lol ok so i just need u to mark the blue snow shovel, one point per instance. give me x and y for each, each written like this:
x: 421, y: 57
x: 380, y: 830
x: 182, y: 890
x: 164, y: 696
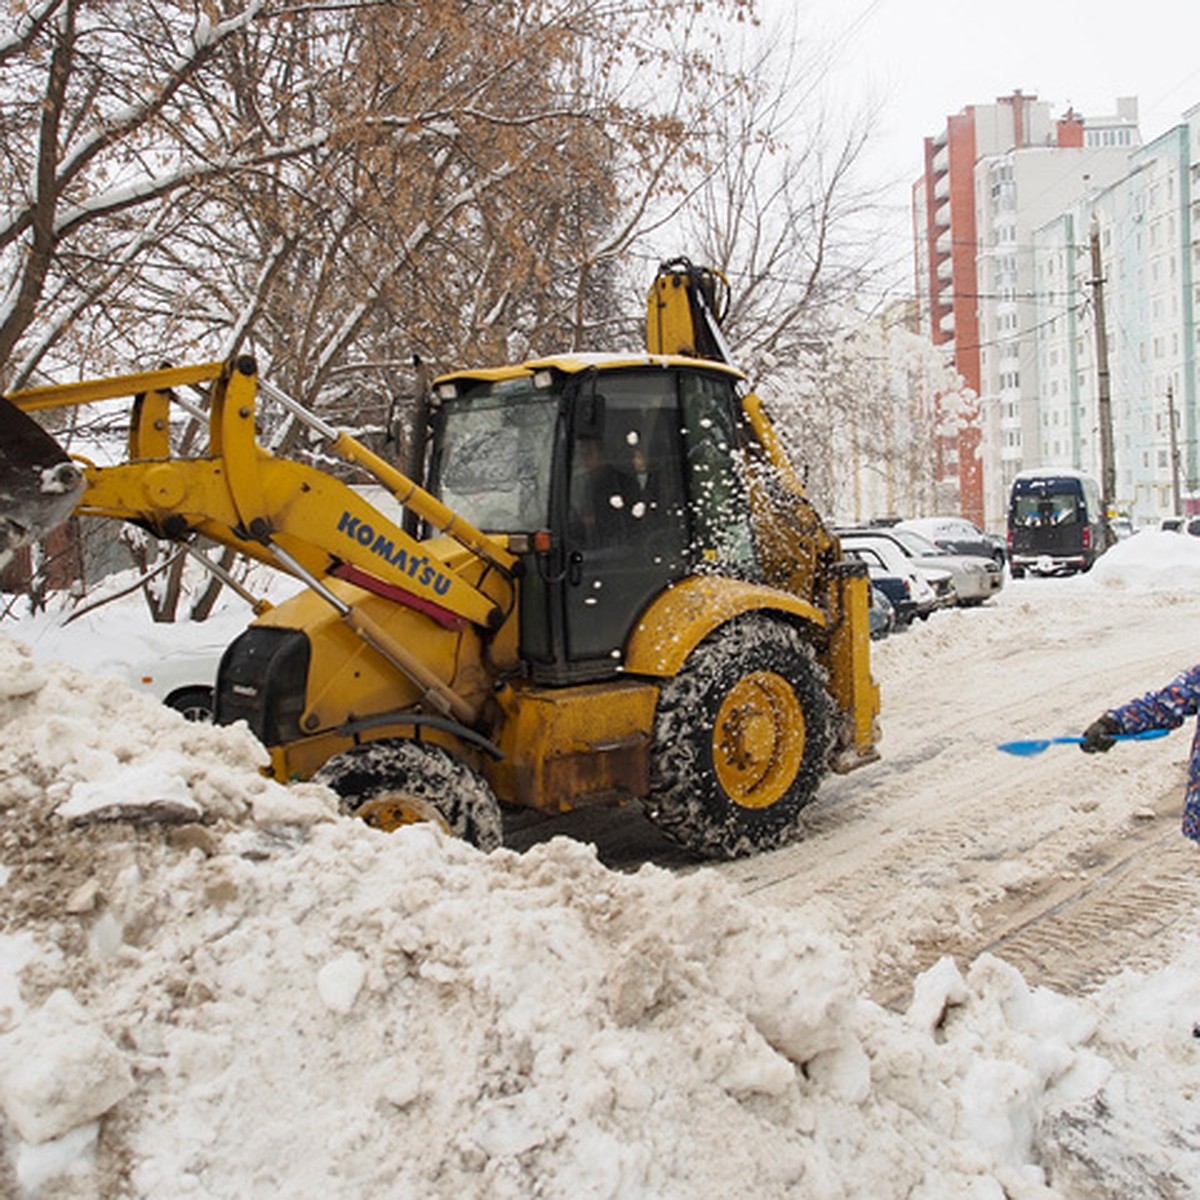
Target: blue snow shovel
x: 1036, y: 745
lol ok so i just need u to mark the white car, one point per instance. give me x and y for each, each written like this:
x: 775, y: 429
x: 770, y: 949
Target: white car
x: 957, y: 535
x: 930, y: 589
x: 975, y: 579
x: 182, y: 679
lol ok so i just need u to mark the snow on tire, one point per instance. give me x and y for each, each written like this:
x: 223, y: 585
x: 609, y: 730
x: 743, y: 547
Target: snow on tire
x: 742, y: 739
x: 395, y: 782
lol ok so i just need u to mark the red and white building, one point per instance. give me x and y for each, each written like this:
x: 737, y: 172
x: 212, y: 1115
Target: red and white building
x: 993, y: 175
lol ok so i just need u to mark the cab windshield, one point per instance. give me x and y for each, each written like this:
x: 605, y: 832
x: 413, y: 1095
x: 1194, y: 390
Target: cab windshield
x: 493, y: 457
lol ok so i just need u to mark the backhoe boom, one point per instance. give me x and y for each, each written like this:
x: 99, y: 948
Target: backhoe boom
x: 240, y: 495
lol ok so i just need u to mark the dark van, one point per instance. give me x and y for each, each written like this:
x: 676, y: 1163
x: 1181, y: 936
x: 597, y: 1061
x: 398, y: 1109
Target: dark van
x: 1056, y: 522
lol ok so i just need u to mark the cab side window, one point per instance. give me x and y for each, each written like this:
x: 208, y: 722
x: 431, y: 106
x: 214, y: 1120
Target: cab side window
x: 624, y: 481
x: 719, y: 500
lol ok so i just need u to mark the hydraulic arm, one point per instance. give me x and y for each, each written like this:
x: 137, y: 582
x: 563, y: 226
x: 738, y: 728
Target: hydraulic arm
x: 295, y: 517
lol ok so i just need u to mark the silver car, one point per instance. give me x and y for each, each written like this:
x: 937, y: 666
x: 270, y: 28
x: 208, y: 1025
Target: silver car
x: 976, y: 579
x: 957, y: 535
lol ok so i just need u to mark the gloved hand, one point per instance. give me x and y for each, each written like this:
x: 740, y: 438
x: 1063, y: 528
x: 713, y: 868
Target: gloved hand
x: 1099, y: 735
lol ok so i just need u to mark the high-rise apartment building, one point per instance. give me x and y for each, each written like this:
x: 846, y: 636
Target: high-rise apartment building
x: 1146, y: 230
x: 992, y: 176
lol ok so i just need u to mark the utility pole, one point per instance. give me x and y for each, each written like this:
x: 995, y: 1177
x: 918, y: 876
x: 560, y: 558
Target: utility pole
x: 1108, y: 466
x: 1176, y: 488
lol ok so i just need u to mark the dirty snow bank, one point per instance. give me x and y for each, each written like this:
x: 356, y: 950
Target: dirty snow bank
x: 229, y: 991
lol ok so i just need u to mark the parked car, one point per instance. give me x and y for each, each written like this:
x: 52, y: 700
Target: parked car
x: 183, y: 680
x: 899, y: 591
x: 1179, y: 525
x: 913, y: 592
x: 957, y: 535
x: 974, y: 579
x: 882, y: 614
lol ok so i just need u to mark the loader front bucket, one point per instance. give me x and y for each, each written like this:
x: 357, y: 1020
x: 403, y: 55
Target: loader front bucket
x: 39, y: 485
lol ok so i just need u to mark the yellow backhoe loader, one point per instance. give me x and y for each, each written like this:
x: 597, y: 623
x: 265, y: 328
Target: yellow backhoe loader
x: 610, y: 587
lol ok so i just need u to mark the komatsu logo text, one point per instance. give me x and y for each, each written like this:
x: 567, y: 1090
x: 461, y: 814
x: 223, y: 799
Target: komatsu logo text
x: 416, y: 566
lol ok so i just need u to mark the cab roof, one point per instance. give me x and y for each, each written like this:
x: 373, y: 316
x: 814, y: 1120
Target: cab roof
x: 575, y: 364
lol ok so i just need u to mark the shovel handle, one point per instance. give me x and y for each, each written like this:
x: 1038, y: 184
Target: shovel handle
x: 1031, y: 746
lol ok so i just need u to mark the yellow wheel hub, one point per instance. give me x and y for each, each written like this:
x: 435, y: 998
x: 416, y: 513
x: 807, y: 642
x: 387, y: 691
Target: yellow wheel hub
x: 392, y: 809
x: 758, y: 740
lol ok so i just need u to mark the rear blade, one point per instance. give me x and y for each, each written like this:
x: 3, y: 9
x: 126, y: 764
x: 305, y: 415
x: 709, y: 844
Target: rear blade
x: 39, y: 485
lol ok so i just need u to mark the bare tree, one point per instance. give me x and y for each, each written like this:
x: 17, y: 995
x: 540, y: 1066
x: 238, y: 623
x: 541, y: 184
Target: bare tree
x: 338, y: 188
x: 781, y: 211
x: 97, y: 117
x: 859, y: 415
x: 348, y: 185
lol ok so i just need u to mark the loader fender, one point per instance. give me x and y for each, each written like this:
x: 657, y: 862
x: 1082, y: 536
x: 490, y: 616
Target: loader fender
x: 679, y: 619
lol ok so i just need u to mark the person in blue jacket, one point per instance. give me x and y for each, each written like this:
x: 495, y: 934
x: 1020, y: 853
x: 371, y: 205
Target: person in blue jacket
x: 1166, y: 708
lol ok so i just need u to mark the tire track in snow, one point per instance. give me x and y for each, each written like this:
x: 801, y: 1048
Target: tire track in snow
x: 946, y: 846
x: 1136, y: 897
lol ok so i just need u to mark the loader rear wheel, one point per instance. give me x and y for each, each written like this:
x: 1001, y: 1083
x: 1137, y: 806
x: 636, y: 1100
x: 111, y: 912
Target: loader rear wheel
x: 742, y: 739
x: 398, y: 782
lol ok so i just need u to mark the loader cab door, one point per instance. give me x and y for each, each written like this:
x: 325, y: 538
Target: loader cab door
x: 654, y: 492
x: 625, y: 530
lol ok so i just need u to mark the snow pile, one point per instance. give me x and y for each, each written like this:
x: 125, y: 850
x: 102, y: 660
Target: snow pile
x: 1150, y: 561
x: 212, y: 986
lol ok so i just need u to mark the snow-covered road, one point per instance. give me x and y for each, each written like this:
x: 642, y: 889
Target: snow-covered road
x: 1073, y: 863
x: 229, y: 991
x: 949, y: 846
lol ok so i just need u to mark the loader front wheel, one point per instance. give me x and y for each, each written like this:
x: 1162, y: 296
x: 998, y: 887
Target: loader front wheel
x: 399, y: 782
x: 742, y: 739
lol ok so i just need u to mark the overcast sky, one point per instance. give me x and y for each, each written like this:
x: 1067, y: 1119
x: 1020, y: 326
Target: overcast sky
x: 923, y: 60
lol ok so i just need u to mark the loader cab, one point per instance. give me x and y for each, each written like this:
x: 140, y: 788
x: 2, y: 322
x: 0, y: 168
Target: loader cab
x: 617, y: 481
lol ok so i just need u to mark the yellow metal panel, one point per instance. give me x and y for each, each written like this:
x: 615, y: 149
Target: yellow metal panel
x: 681, y: 617
x: 192, y: 489
x: 150, y: 429
x: 232, y: 425
x: 68, y: 395
x: 314, y: 511
x: 348, y: 680
x: 851, y: 684
x: 310, y: 514
x: 568, y: 747
x: 670, y: 327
